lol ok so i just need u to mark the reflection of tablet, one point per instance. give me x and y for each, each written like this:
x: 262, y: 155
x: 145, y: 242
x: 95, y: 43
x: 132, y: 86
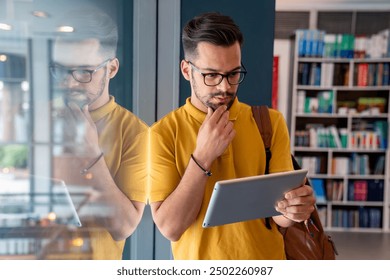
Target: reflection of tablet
x: 249, y: 198
x: 63, y: 205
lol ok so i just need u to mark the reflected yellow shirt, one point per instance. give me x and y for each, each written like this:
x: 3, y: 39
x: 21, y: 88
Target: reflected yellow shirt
x: 123, y: 138
x: 173, y: 139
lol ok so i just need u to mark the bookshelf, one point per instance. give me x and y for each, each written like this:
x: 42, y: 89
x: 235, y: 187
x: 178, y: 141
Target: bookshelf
x: 340, y: 132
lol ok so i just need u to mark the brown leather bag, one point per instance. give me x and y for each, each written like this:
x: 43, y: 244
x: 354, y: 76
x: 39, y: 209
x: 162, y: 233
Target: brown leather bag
x: 302, y: 241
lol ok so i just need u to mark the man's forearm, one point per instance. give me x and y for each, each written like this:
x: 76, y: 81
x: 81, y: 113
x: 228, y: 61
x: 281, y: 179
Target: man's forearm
x: 181, y: 208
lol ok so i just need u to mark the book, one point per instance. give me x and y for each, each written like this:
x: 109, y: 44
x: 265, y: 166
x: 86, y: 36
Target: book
x: 362, y: 75
x: 335, y: 136
x: 340, y: 166
x: 327, y: 70
x: 338, y: 190
x: 360, y: 46
x: 319, y: 190
x: 325, y: 101
x: 379, y: 168
x: 301, y: 97
x: 329, y: 44
x: 360, y: 190
x: 375, y: 190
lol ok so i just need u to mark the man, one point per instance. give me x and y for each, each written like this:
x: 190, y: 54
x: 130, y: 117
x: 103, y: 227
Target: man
x: 214, y: 137
x: 111, y: 155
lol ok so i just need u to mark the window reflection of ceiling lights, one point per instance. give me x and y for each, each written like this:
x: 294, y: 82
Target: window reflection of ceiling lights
x: 40, y: 14
x: 4, y: 26
x: 25, y: 86
x: 3, y: 58
x: 65, y: 29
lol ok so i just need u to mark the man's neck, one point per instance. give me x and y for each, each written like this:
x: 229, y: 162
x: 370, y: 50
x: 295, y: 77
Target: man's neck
x: 100, y: 102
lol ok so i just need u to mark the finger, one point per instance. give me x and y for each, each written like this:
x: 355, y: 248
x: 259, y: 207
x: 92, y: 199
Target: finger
x: 299, y: 213
x: 227, y: 134
x: 87, y: 115
x: 303, y: 190
x: 218, y: 113
x: 228, y: 130
x: 75, y: 110
x: 282, y: 204
x: 298, y: 200
x: 296, y: 213
x: 229, y: 126
x: 224, y: 119
x: 209, y: 113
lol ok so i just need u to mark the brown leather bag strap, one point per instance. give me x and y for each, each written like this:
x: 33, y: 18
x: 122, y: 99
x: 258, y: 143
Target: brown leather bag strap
x: 263, y: 121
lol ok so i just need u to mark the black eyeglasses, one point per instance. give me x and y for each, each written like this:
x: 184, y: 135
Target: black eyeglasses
x: 80, y: 74
x: 213, y: 78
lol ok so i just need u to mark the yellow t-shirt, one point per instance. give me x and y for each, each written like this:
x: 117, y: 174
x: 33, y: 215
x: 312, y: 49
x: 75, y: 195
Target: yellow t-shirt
x: 173, y: 139
x: 123, y: 138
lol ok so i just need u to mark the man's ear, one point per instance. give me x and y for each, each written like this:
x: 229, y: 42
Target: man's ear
x: 113, y: 67
x: 185, y: 69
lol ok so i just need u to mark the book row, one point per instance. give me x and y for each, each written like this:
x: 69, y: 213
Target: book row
x: 327, y: 74
x: 355, y: 164
x: 357, y: 218
x: 317, y: 43
x: 320, y: 136
x: 319, y: 102
x: 358, y: 190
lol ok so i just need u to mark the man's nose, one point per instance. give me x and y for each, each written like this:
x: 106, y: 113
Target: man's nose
x: 224, y: 85
x: 69, y: 81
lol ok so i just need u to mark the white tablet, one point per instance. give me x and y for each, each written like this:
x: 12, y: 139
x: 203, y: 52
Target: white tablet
x: 249, y: 198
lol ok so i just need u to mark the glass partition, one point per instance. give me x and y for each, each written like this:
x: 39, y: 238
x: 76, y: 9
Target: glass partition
x: 38, y: 212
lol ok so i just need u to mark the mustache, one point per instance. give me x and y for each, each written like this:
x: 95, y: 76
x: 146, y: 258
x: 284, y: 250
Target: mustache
x: 70, y: 91
x: 225, y: 93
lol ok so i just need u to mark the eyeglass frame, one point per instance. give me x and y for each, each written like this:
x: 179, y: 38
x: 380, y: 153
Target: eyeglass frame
x: 244, y: 72
x: 71, y: 70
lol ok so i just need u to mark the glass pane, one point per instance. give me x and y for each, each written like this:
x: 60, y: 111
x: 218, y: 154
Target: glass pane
x: 37, y: 138
x: 14, y: 98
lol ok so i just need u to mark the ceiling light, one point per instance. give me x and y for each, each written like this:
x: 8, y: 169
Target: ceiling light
x: 65, y: 28
x: 3, y: 58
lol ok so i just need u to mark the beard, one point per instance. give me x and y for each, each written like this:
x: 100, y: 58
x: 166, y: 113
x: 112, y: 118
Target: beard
x: 81, y: 96
x: 218, y: 99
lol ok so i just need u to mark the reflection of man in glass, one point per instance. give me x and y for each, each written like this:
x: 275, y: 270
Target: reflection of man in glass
x: 112, y: 153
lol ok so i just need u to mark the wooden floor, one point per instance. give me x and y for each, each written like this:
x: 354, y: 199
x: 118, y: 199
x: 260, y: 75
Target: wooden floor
x: 362, y: 246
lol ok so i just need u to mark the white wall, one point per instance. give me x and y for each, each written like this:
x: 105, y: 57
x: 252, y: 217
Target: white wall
x: 282, y: 49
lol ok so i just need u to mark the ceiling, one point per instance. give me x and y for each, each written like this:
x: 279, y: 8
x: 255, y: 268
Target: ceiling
x: 18, y: 13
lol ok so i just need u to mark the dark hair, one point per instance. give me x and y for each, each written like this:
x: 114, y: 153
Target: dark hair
x: 213, y: 28
x: 93, y: 24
